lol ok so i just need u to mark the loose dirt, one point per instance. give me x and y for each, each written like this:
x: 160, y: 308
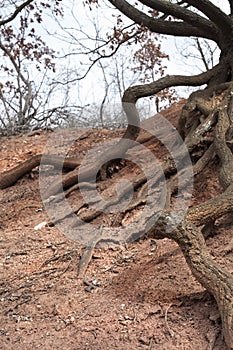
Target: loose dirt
x: 143, y: 296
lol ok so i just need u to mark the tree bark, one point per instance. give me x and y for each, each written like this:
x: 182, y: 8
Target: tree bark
x: 213, y: 277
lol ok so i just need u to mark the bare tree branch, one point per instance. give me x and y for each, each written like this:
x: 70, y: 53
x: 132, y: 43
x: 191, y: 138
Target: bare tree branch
x: 132, y: 94
x: 213, y: 13
x: 16, y: 12
x: 101, y: 56
x: 105, y: 95
x: 231, y: 5
x: 2, y: 97
x: 199, y: 47
x: 182, y: 13
x: 161, y: 26
x: 17, y: 68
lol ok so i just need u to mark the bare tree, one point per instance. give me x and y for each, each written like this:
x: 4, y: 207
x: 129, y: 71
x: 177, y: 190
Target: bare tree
x: 204, y: 125
x: 92, y: 48
x: 199, y: 53
x: 24, y: 51
x: 201, y: 19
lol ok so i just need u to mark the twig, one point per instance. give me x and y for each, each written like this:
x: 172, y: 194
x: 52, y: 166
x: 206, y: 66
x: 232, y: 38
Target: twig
x: 21, y: 252
x: 29, y: 207
x: 64, y: 257
x: 172, y: 334
x: 26, y: 300
x: 66, y: 268
x: 212, y: 339
x: 151, y: 343
x: 9, y: 292
x: 87, y: 255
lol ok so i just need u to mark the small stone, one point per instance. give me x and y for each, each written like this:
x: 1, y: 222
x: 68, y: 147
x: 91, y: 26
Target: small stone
x: 96, y: 283
x: 143, y: 341
x: 215, y: 316
x: 155, y: 309
x: 128, y: 317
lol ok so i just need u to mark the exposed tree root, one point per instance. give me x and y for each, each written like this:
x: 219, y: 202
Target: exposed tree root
x: 9, y: 177
x: 206, y: 126
x: 214, y: 278
x: 213, y: 208
x: 129, y: 100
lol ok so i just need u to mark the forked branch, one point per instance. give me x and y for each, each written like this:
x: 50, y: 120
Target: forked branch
x: 174, y: 28
x: 15, y: 13
x: 214, y: 13
x: 182, y: 13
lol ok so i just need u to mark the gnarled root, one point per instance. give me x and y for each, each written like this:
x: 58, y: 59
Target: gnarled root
x: 213, y: 277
